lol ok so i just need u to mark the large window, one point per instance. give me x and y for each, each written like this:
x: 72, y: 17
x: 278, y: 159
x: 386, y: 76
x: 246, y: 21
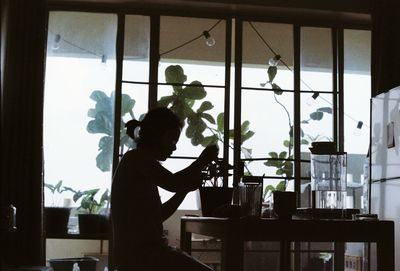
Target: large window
x: 297, y: 85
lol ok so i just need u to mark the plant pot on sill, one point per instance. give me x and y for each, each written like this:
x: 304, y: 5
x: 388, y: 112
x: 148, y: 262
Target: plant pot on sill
x: 93, y: 223
x: 56, y: 220
x: 211, y: 198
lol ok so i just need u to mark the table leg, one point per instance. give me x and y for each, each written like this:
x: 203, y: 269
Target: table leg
x: 385, y: 255
x: 339, y: 256
x: 186, y: 239
x: 284, y: 256
x: 232, y: 254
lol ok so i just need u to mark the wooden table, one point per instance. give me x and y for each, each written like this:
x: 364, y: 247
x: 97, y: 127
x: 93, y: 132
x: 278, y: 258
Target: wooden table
x: 234, y: 231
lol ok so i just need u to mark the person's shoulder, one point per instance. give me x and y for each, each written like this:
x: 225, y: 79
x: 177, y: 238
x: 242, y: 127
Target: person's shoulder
x: 137, y: 155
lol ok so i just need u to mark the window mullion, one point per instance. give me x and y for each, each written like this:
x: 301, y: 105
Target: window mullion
x: 118, y: 89
x: 238, y: 98
x: 336, y: 137
x: 297, y: 112
x: 154, y: 59
x: 340, y: 43
x: 228, y: 53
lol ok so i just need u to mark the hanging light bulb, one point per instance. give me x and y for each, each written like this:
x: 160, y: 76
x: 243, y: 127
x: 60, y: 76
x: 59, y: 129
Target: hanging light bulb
x: 311, y: 99
x: 210, y: 41
x: 357, y: 130
x: 56, y: 42
x: 274, y: 61
x: 103, y: 59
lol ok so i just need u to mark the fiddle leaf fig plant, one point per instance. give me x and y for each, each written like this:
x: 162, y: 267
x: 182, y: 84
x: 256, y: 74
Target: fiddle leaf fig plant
x: 103, y: 123
x: 202, y: 128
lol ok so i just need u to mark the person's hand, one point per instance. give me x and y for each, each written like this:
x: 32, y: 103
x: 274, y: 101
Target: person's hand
x: 210, y: 153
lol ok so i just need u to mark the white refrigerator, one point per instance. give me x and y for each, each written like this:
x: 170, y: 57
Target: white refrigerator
x: 385, y: 160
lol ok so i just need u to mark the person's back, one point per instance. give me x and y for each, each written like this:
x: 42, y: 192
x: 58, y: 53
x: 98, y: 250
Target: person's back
x: 136, y: 209
x: 137, y: 212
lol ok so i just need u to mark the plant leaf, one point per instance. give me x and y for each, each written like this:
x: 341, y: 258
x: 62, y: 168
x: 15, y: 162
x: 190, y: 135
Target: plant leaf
x: 206, y: 105
x: 208, y: 117
x: 281, y: 186
x: 104, y: 158
x: 102, y: 124
x: 304, y: 142
x: 194, y: 91
x: 282, y: 155
x: 272, y: 70
x: 325, y: 109
x: 246, y: 136
x: 174, y: 74
x: 127, y: 104
x: 316, y: 115
x: 278, y: 90
x: 220, y: 122
x: 246, y: 152
x: 273, y: 154
x: 245, y: 127
x: 208, y: 140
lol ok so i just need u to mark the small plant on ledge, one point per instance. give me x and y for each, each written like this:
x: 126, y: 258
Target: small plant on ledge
x: 91, y: 216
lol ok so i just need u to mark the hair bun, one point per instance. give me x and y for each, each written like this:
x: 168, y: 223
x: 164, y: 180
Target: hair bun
x: 131, y: 126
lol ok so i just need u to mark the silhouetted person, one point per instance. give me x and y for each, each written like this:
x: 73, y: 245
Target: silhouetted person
x: 136, y: 209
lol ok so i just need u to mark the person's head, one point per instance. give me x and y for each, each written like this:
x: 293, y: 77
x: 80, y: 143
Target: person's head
x: 159, y: 131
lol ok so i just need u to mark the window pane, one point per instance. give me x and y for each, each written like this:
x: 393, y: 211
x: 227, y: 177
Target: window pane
x: 200, y: 62
x: 270, y: 116
x: 357, y: 87
x: 134, y: 105
x: 136, y: 48
x: 79, y: 102
x: 316, y: 119
x: 316, y: 59
x: 258, y: 38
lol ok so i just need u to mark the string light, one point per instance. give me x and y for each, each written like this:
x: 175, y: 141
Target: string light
x: 204, y: 34
x: 56, y: 42
x: 210, y: 41
x: 315, y: 94
x: 357, y: 130
x: 312, y: 98
x: 104, y: 59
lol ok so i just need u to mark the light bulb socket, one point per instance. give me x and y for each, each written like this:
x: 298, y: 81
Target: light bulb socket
x: 206, y: 34
x: 274, y: 61
x: 315, y: 95
x: 57, y: 38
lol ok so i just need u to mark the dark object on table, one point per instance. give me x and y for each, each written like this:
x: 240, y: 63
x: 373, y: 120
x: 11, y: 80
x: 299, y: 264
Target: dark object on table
x: 56, y: 220
x: 285, y: 204
x: 227, y: 210
x: 212, y: 197
x: 324, y: 213
x: 66, y: 264
x: 369, y: 217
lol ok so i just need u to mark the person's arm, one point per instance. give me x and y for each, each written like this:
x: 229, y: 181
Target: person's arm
x: 171, y: 205
x: 184, y: 180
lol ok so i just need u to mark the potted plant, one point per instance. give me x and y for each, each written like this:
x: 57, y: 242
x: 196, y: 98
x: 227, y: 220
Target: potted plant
x: 90, y: 216
x: 213, y: 194
x: 55, y: 216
